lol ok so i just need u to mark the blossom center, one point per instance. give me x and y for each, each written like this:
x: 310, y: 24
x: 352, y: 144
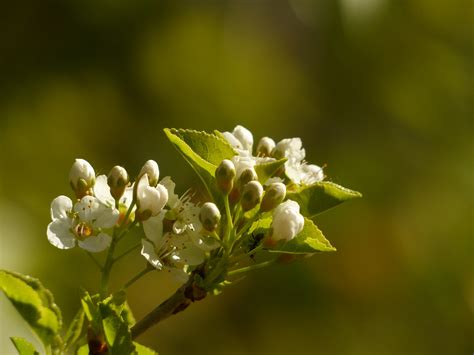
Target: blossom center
x: 83, y: 230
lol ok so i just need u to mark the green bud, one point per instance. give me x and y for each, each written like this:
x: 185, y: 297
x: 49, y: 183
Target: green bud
x: 225, y: 174
x: 209, y: 216
x: 247, y: 175
x: 265, y: 147
x: 274, y: 195
x: 117, y: 180
x: 251, y: 195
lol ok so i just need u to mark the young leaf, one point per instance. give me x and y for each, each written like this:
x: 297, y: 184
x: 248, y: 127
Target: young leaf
x: 23, y: 346
x: 143, y: 350
x: 320, y: 197
x: 203, y: 151
x: 309, y: 240
x: 127, y: 315
x: 35, y: 304
x: 75, y: 329
x: 266, y: 170
x: 92, y: 312
x: 117, y: 334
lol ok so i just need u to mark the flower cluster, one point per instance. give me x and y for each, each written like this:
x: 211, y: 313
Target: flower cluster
x: 297, y: 170
x: 174, y: 236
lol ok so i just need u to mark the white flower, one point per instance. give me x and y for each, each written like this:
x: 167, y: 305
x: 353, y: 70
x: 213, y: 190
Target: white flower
x: 81, y: 177
x: 241, y: 139
x: 150, y: 200
x: 103, y: 194
x: 296, y: 168
x: 287, y: 221
x: 151, y: 169
x: 83, y: 223
x: 169, y: 251
x: 185, y: 217
x: 243, y: 162
x: 265, y: 146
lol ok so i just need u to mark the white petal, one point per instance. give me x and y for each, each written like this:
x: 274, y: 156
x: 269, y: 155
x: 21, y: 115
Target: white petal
x: 190, y: 254
x: 86, y: 208
x: 244, y: 136
x: 105, y: 217
x: 178, y: 274
x: 96, y: 243
x: 203, y: 242
x: 127, y: 197
x: 153, y: 228
x: 102, y: 190
x: 60, y: 207
x: 232, y: 140
x: 60, y: 235
x: 170, y: 187
x: 148, y: 251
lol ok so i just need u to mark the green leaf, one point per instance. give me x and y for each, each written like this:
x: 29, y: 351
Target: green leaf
x: 309, y: 240
x: 116, y: 329
x: 23, y: 346
x: 83, y: 350
x: 127, y: 315
x: 203, y: 151
x: 143, y: 350
x: 92, y: 312
x: 320, y: 197
x: 35, y: 304
x: 268, y: 169
x: 75, y: 329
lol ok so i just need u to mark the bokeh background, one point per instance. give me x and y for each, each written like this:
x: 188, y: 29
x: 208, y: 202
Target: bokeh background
x: 379, y: 90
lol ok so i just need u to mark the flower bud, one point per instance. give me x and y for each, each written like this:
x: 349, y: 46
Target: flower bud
x: 225, y: 174
x: 209, y: 216
x: 274, y: 195
x: 287, y: 221
x: 265, y: 147
x: 244, y: 136
x: 251, y: 195
x: 82, y: 178
x: 117, y: 181
x: 247, y: 175
x: 151, y: 169
x: 150, y: 200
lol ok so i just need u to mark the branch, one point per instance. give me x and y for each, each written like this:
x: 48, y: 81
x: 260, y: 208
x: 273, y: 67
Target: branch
x: 178, y: 302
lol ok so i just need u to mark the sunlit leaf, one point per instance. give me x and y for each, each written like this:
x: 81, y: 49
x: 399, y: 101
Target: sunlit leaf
x: 320, y: 197
x: 75, y: 329
x: 35, y: 304
x: 23, y: 346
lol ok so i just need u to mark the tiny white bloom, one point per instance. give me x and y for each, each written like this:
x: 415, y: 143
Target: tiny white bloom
x: 151, y: 169
x: 244, y: 136
x: 150, y: 200
x: 296, y: 168
x: 287, y: 221
x: 185, y: 215
x: 102, y: 192
x: 81, y: 177
x: 83, y: 223
x: 168, y: 251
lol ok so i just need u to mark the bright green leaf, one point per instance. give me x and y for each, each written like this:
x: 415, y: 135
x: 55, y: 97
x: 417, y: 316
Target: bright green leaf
x: 116, y: 330
x: 75, y: 329
x: 35, y: 304
x: 127, y: 315
x: 268, y: 169
x: 92, y: 312
x: 309, y: 240
x: 143, y: 350
x: 320, y: 197
x: 83, y: 350
x: 23, y: 346
x: 203, y: 151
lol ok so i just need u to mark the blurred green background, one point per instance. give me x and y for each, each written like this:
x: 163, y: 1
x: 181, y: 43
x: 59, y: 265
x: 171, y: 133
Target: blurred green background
x: 380, y: 91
